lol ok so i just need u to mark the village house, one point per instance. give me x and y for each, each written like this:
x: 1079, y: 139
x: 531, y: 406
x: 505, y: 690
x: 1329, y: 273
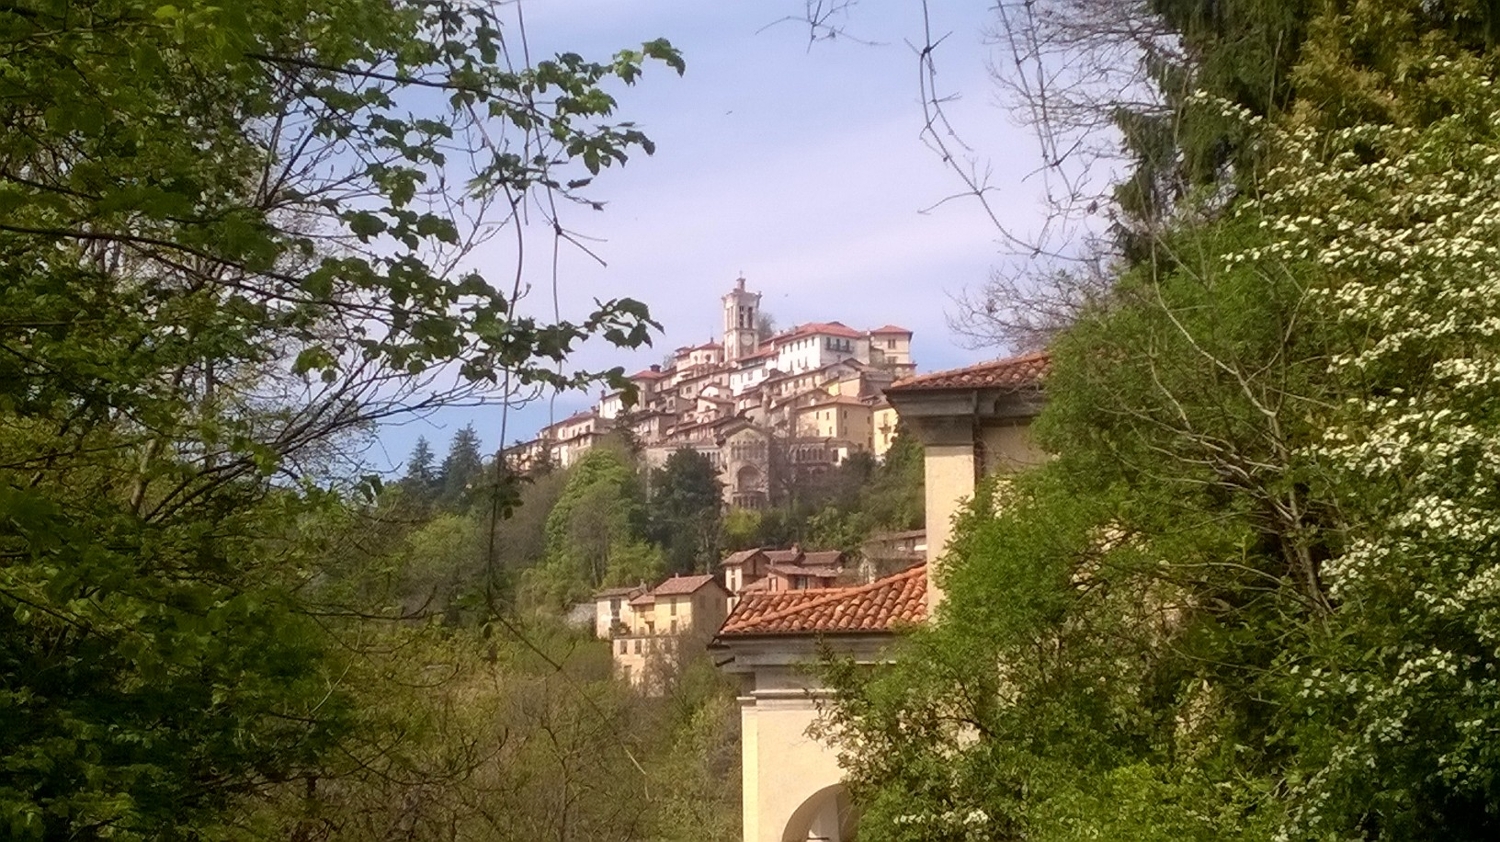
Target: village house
x: 771, y: 571
x: 971, y: 422
x: 646, y: 628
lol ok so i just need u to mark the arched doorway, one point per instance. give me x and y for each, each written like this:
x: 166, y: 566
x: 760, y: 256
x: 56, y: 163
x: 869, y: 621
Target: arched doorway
x: 747, y: 480
x: 826, y: 816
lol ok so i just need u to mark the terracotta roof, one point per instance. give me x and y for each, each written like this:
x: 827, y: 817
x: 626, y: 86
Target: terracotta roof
x: 1015, y: 373
x: 831, y: 558
x: 757, y: 585
x: 678, y: 585
x: 818, y: 571
x: 648, y: 374
x: 783, y: 556
x: 646, y: 598
x: 739, y: 558
x: 890, y: 329
x: 881, y: 606
x: 819, y: 329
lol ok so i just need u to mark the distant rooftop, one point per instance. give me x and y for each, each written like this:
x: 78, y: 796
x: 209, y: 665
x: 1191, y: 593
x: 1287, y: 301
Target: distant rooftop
x: 838, y: 329
x: 679, y: 585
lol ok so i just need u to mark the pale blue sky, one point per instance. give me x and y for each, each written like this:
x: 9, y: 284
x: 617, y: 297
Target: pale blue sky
x: 799, y: 166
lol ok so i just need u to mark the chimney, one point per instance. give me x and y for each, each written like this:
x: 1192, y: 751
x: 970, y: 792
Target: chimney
x: 656, y: 367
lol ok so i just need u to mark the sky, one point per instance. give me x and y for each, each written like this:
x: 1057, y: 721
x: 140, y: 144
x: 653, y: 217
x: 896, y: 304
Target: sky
x: 797, y: 165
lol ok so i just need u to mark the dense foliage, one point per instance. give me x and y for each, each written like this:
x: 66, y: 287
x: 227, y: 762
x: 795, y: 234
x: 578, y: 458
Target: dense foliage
x: 233, y: 238
x: 1252, y: 597
x: 686, y: 504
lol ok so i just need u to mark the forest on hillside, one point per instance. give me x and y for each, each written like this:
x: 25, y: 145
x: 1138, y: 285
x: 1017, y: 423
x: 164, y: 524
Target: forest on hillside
x: 547, y: 541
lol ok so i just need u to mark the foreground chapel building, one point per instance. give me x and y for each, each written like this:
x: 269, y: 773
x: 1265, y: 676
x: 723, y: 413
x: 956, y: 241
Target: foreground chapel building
x: 971, y: 422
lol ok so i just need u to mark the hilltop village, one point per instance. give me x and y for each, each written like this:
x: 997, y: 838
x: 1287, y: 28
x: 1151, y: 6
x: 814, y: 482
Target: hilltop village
x: 762, y: 408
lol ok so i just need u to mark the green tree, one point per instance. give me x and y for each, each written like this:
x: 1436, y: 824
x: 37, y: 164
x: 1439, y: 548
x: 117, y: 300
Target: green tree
x: 193, y: 334
x: 462, y: 468
x: 1250, y: 597
x: 594, y: 534
x: 684, y: 511
x: 420, y: 480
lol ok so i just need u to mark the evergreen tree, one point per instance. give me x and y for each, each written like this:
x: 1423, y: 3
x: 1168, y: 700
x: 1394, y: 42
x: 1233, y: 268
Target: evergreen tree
x: 420, y: 481
x: 461, y: 468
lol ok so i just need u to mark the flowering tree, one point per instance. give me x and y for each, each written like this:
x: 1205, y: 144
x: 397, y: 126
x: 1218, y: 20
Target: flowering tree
x: 1402, y: 221
x: 1255, y: 594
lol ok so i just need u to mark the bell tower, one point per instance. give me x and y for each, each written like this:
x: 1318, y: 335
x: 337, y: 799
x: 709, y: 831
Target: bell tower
x: 741, y: 309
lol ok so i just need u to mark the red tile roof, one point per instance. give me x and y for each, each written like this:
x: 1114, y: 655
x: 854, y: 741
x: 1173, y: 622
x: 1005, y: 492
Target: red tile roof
x: 880, y: 331
x: 783, y: 556
x: 818, y: 329
x: 831, y: 558
x: 678, y: 585
x: 824, y: 571
x: 1015, y: 372
x: 648, y: 374
x: 881, y: 606
x: 739, y: 558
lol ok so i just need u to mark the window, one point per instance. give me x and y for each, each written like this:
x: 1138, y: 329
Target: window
x: 674, y: 627
x: 672, y: 607
x: 623, y: 646
x: 637, y: 646
x: 890, y: 343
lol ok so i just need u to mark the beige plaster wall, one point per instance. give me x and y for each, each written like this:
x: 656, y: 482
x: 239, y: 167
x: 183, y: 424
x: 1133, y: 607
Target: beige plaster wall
x: 783, y: 767
x: 1009, y: 448
x: 949, y: 476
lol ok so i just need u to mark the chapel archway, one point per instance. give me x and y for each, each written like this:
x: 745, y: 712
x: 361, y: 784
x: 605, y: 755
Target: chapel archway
x: 826, y: 816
